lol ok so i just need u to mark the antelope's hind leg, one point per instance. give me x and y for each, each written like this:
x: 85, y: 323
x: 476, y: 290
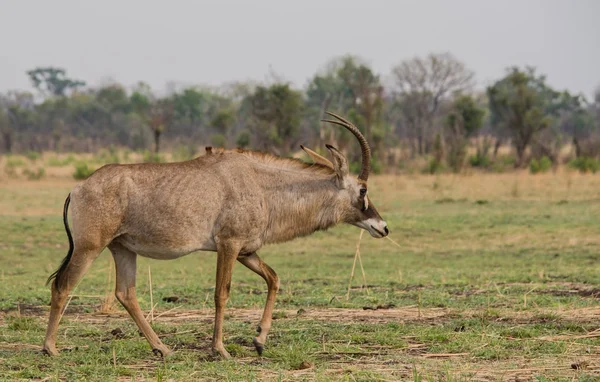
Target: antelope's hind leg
x: 125, y: 266
x: 63, y: 284
x: 255, y: 264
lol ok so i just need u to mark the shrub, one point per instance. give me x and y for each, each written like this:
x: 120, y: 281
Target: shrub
x: 32, y: 155
x: 585, y: 164
x: 13, y: 162
x: 455, y: 156
x: 34, y: 175
x: 376, y: 166
x: 508, y: 160
x: 126, y: 154
x: 184, y: 152
x: 82, y: 171
x: 151, y: 157
x: 434, y: 166
x: 108, y: 156
x: 243, y: 139
x: 545, y: 163
x: 542, y: 165
x: 56, y: 162
x: 480, y: 159
x: 218, y: 140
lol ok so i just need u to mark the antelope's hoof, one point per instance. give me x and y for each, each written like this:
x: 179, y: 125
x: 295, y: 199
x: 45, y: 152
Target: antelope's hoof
x: 51, y: 352
x: 162, y: 353
x: 258, y: 346
x: 220, y: 351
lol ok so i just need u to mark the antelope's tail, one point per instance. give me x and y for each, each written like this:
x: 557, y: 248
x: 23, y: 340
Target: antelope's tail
x: 56, y: 275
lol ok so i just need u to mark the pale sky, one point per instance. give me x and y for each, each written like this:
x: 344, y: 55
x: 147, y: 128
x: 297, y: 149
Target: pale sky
x: 214, y: 42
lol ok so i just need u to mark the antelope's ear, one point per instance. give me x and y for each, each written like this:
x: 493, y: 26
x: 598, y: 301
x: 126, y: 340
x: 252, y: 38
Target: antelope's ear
x: 340, y: 164
x: 317, y: 158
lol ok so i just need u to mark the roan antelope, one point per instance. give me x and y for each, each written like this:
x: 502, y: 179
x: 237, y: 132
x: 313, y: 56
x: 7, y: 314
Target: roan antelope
x: 229, y: 201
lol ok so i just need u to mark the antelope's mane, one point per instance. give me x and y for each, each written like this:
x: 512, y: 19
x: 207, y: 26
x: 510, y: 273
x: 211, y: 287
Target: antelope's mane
x: 274, y: 161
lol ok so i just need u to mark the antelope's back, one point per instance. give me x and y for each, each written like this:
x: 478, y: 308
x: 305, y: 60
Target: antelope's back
x: 179, y: 204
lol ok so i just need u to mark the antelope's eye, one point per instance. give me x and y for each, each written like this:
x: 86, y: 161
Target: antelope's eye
x: 363, y: 191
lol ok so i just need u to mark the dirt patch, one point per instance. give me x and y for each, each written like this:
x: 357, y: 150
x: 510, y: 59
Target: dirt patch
x: 332, y: 315
x: 26, y: 310
x: 371, y: 315
x: 583, y: 292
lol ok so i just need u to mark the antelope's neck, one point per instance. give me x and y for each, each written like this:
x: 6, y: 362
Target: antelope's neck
x: 299, y: 207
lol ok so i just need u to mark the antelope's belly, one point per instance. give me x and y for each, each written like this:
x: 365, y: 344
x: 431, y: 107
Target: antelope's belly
x: 166, y: 249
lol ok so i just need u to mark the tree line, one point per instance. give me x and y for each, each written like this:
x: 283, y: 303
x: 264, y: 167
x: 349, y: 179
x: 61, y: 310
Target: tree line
x: 427, y: 106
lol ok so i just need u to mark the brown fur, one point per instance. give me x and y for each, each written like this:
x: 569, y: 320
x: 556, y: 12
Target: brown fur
x: 229, y: 201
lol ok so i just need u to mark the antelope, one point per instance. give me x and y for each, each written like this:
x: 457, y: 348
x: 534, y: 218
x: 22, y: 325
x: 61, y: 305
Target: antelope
x: 229, y: 201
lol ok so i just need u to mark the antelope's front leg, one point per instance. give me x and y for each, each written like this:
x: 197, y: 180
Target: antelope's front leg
x: 226, y: 254
x: 255, y: 264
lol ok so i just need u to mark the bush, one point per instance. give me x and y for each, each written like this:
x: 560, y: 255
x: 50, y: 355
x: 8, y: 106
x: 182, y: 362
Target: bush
x: 542, y: 165
x: 55, y: 162
x: 151, y: 157
x: 376, y: 166
x: 82, y: 171
x: 13, y: 162
x: 218, y: 140
x: 585, y: 164
x: 434, y: 166
x: 455, y: 157
x: 34, y: 175
x: 479, y: 160
x: 184, y: 152
x: 243, y: 139
x: 126, y: 154
x: 108, y: 156
x: 32, y: 155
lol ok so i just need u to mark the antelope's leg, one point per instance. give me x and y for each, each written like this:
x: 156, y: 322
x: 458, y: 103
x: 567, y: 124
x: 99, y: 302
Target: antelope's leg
x: 226, y: 255
x: 255, y: 264
x: 125, y: 266
x: 74, y: 271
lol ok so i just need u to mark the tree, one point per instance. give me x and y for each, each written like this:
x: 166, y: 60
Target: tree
x: 188, y: 105
x: 154, y: 113
x: 6, y: 131
x: 463, y: 121
x: 522, y: 103
x: 368, y: 95
x: 348, y: 86
x: 224, y: 120
x: 422, y: 84
x: 276, y: 112
x: 21, y: 114
x: 52, y: 81
x: 328, y: 91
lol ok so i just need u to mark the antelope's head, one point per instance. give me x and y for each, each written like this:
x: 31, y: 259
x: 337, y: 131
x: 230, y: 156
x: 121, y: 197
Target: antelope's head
x: 353, y: 192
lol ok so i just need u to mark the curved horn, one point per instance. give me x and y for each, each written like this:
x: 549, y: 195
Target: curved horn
x: 364, y: 145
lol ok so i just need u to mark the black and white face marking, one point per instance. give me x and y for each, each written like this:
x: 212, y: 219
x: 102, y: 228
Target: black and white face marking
x: 363, y: 194
x: 368, y: 218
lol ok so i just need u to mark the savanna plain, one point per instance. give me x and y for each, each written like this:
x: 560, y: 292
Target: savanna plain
x: 495, y: 277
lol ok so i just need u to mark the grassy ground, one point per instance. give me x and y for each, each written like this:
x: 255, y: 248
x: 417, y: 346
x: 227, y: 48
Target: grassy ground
x: 495, y: 279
